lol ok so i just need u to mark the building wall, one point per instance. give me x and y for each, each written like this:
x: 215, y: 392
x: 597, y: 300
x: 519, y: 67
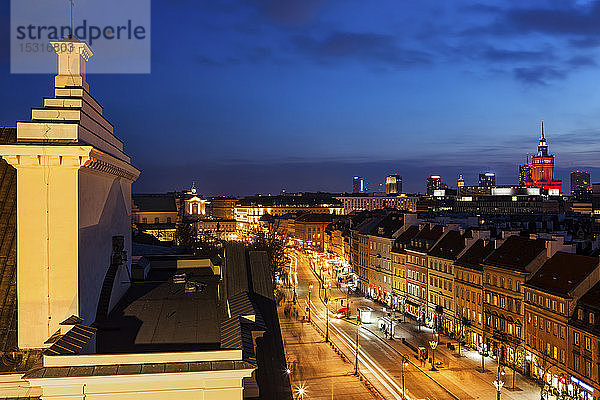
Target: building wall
x: 416, y: 283
x: 380, y: 268
x: 440, y: 291
x: 104, y: 212
x: 399, y: 279
x: 468, y: 300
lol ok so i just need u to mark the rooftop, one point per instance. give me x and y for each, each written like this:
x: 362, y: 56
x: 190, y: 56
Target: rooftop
x: 161, y: 315
x: 474, y: 256
x: 155, y: 202
x: 449, y: 247
x: 388, y: 225
x: 517, y: 252
x: 563, y: 273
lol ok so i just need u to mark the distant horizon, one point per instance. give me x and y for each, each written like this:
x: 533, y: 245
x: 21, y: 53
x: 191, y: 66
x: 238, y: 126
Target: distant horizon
x: 258, y: 96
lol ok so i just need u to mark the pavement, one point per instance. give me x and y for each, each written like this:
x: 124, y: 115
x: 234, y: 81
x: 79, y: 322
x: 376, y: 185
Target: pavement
x: 315, y: 366
x: 459, y: 378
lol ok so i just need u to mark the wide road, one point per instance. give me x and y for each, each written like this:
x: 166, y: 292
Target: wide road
x: 379, y: 362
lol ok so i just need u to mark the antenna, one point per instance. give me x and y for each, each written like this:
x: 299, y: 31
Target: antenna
x: 72, y: 35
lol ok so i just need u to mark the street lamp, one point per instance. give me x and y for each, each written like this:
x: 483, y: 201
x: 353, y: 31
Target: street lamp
x: 499, y: 383
x: 357, y: 349
x: 310, y: 286
x: 326, y: 317
x: 433, y: 344
x: 404, y: 364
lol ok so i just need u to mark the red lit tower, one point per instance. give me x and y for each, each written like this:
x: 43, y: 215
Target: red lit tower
x: 541, y: 167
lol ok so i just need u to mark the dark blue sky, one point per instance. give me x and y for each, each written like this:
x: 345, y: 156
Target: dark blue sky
x: 251, y: 96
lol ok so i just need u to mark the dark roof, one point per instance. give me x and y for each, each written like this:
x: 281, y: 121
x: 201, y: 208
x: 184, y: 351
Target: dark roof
x: 367, y: 225
x: 236, y: 333
x: 591, y: 298
x: 408, y: 234
x: 160, y: 315
x: 136, y: 369
x: 449, y: 247
x: 155, y: 202
x: 474, y: 256
x: 388, y: 226
x: 563, y: 272
x: 517, y: 252
x: 316, y: 217
x: 260, y: 274
x: 430, y: 234
x: 307, y: 200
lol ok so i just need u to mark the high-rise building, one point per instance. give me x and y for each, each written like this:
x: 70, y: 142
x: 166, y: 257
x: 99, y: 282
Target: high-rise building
x: 358, y: 184
x: 393, y: 184
x: 487, y: 180
x: 524, y: 174
x: 581, y: 187
x: 542, y: 167
x: 434, y: 182
x: 460, y: 183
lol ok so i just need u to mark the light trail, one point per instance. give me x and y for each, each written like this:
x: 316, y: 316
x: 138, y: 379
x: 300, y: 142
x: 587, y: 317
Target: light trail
x: 382, y: 376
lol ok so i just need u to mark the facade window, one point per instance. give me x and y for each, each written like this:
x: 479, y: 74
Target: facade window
x: 562, y: 308
x: 588, y: 343
x: 518, y: 286
x: 576, y: 338
x: 576, y: 362
x: 168, y: 220
x: 591, y: 318
x: 580, y: 314
x: 156, y: 220
x: 144, y: 220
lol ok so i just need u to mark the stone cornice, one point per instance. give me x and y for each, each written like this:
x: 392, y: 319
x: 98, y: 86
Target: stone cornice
x: 30, y: 156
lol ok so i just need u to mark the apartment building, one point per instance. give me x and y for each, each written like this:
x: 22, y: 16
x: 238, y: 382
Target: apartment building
x: 468, y: 292
x: 440, y: 271
x: 505, y: 271
x: 416, y: 270
x: 555, y: 349
x: 399, y: 267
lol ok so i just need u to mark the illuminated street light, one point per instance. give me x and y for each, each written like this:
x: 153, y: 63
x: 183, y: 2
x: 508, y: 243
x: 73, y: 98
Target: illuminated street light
x: 433, y: 344
x: 310, y: 286
x: 300, y: 392
x: 404, y: 365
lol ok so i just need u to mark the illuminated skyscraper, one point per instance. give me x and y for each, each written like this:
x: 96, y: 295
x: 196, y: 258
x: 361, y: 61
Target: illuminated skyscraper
x: 487, y: 180
x: 581, y: 187
x: 358, y: 184
x: 524, y: 174
x: 542, y: 167
x: 393, y: 184
x: 434, y: 182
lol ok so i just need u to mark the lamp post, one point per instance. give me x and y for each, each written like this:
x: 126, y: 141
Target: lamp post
x: 499, y: 383
x: 326, y: 317
x: 404, y: 364
x: 433, y: 344
x: 310, y: 286
x: 357, y: 349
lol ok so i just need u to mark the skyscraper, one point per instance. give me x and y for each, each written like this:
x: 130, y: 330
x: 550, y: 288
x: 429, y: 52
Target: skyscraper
x: 581, y: 187
x: 542, y: 167
x: 434, y: 182
x: 393, y: 184
x: 524, y: 174
x: 487, y: 180
x: 358, y: 184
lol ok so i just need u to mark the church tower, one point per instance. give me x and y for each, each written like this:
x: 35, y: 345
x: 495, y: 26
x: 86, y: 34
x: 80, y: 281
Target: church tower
x: 73, y: 204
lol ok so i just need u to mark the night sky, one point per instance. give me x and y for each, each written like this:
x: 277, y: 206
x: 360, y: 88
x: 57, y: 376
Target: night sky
x: 255, y: 96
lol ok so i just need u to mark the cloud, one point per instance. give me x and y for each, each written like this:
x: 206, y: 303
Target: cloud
x: 581, y: 61
x: 538, y: 75
x: 293, y: 13
x: 364, y: 47
x: 505, y: 55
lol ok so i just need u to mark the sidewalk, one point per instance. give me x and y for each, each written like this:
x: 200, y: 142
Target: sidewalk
x: 315, y: 366
x: 460, y: 375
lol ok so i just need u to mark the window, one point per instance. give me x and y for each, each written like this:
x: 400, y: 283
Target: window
x: 562, y: 332
x: 156, y: 220
x: 168, y: 220
x: 576, y: 338
x: 576, y: 362
x: 588, y: 343
x: 144, y: 220
x: 580, y: 314
x: 591, y: 318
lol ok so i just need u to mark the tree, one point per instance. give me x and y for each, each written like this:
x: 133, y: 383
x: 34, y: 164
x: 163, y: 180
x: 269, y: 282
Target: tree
x: 269, y: 240
x: 187, y: 236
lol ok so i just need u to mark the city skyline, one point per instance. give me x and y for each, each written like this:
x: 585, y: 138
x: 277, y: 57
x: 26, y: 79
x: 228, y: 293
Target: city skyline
x: 321, y: 93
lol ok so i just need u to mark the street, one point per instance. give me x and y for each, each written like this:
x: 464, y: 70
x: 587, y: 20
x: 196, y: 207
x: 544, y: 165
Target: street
x: 381, y: 358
